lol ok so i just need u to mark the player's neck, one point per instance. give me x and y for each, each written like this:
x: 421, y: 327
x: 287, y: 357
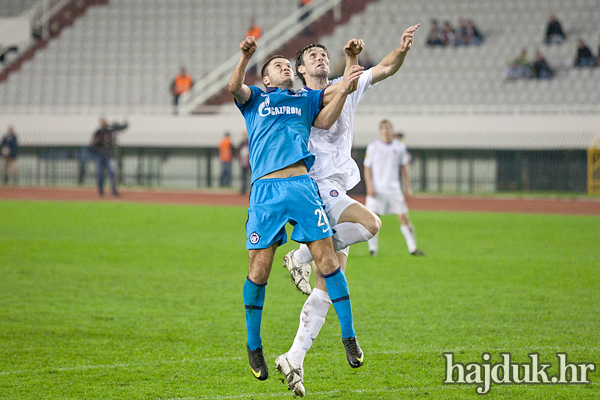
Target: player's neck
x: 317, y: 82
x: 284, y: 87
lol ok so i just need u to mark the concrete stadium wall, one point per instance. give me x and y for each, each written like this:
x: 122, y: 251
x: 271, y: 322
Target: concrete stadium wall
x: 531, y: 132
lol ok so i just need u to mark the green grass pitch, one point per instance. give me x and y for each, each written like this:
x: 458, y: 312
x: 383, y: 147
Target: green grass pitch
x: 128, y: 301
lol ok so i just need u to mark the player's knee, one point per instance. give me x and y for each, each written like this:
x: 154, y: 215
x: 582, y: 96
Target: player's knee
x: 327, y: 262
x: 258, y: 270
x: 373, y: 224
x: 258, y: 274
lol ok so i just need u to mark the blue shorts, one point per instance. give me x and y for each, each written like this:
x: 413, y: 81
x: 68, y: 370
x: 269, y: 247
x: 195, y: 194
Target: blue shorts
x: 275, y: 202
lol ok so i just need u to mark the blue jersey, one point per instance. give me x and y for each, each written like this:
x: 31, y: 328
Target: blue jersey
x: 278, y: 123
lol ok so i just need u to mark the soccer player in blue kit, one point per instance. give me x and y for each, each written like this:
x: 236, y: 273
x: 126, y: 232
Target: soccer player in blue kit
x: 278, y: 123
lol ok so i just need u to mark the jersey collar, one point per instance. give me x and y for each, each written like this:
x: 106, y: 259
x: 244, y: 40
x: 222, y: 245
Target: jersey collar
x: 272, y: 89
x: 329, y: 83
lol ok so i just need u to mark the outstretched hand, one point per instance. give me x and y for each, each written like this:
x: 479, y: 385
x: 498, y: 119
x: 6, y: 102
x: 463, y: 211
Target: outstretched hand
x: 248, y: 46
x: 354, y: 47
x: 406, y: 40
x: 350, y: 78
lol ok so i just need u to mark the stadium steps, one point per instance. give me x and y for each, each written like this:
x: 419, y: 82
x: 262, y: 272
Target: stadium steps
x: 321, y: 27
x: 63, y: 18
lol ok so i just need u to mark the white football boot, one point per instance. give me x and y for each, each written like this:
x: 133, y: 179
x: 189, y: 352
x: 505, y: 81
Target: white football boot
x: 294, y: 374
x: 299, y: 271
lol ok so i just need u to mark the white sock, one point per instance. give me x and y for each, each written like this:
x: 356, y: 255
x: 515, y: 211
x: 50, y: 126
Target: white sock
x: 312, y: 319
x: 303, y: 254
x: 348, y: 233
x: 373, y: 243
x: 411, y: 243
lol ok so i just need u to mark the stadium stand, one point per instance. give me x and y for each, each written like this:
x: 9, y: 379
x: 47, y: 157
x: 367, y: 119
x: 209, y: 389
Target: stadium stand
x: 473, y: 78
x: 13, y: 8
x: 118, y: 59
x: 122, y: 56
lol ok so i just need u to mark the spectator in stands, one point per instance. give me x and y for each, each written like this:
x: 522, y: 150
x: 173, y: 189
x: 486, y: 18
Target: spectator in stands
x: 254, y: 29
x: 225, y: 155
x: 514, y: 72
x: 103, y: 147
x: 541, y: 69
x: 520, y: 67
x: 9, y: 151
x: 584, y: 57
x: 435, y: 34
x: 181, y: 84
x: 244, y: 160
x: 554, y: 31
x: 468, y: 33
x: 448, y: 37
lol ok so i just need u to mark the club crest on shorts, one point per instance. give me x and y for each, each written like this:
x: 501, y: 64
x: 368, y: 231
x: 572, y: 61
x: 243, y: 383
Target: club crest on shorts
x: 254, y: 238
x: 334, y: 193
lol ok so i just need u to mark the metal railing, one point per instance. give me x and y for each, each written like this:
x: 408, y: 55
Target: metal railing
x: 41, y: 13
x: 39, y: 16
x: 274, y: 38
x: 431, y: 170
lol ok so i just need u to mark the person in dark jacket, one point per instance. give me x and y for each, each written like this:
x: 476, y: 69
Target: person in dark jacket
x: 9, y: 148
x: 541, y: 69
x: 584, y: 57
x: 103, y: 148
x: 554, y: 31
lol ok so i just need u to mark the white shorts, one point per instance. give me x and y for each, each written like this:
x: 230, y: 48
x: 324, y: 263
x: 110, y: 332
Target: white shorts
x: 336, y: 201
x: 383, y: 204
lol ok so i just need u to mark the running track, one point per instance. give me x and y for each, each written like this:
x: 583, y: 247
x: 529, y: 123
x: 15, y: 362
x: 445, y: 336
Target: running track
x: 573, y: 206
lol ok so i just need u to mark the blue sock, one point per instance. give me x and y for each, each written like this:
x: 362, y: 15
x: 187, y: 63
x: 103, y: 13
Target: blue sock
x: 254, y: 298
x: 337, y: 287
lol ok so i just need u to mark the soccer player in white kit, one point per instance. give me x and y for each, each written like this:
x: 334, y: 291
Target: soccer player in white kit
x: 335, y: 173
x: 384, y: 160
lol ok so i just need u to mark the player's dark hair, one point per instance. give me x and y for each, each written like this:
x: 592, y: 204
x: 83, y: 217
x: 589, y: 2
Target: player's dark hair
x: 299, y: 60
x: 263, y: 71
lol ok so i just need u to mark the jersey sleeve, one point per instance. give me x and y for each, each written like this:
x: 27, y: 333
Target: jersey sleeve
x: 255, y: 92
x: 406, y: 157
x: 368, y: 161
x: 364, y: 84
x: 316, y: 102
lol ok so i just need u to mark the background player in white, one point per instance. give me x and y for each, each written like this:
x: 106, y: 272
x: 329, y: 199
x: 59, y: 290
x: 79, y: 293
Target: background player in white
x: 335, y: 173
x: 384, y: 160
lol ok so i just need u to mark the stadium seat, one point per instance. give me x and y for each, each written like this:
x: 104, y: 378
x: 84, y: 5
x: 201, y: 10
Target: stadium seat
x: 126, y: 53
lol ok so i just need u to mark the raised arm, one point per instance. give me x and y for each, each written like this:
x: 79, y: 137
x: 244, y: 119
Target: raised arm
x: 393, y: 61
x: 332, y: 111
x: 236, y: 86
x: 352, y: 49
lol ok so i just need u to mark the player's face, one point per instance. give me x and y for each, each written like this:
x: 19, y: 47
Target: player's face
x: 385, y: 130
x: 280, y: 73
x: 316, y: 62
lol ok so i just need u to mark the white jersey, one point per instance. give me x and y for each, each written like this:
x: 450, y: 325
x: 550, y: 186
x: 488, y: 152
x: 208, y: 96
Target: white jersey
x: 332, y: 148
x: 385, y: 160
